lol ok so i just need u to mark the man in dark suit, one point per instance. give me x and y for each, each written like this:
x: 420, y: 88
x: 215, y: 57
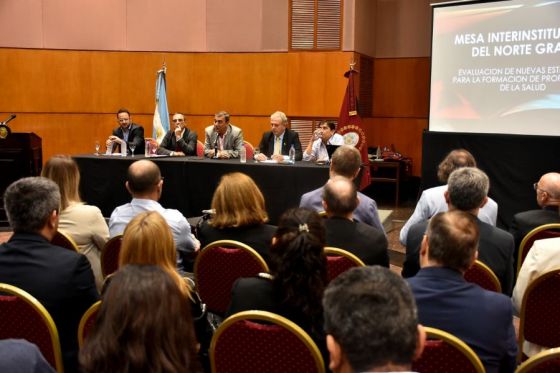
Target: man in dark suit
x: 60, y: 279
x: 276, y: 143
x: 179, y: 141
x: 480, y: 318
x: 548, y: 198
x: 467, y: 190
x: 126, y: 134
x: 340, y: 199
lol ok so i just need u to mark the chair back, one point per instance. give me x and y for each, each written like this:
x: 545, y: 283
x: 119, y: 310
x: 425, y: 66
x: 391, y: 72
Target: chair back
x: 110, y: 255
x: 260, y: 341
x: 199, y: 148
x: 64, y: 240
x: 87, y: 322
x: 249, y: 149
x: 547, y: 361
x: 480, y: 274
x: 539, y: 322
x: 23, y: 317
x: 339, y: 261
x: 216, y: 268
x: 539, y: 233
x: 445, y: 352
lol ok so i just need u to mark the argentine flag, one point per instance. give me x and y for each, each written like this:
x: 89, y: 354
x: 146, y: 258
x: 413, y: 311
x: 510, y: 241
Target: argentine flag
x: 161, y: 114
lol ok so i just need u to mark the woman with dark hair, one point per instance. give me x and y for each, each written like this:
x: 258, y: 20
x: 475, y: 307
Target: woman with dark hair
x: 144, y: 325
x: 298, y: 275
x: 239, y: 214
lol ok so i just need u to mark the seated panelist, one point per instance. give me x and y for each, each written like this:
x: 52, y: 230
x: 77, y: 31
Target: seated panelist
x: 324, y: 135
x: 222, y: 140
x: 179, y: 141
x: 126, y: 134
x: 276, y: 143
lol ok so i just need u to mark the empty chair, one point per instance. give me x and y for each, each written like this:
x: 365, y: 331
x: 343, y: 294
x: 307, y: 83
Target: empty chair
x: 260, y: 341
x: 539, y: 323
x: 539, y: 233
x: 216, y: 268
x: 199, y: 148
x: 249, y: 149
x: 110, y: 255
x: 339, y: 261
x: 23, y: 317
x: 444, y: 352
x: 480, y: 274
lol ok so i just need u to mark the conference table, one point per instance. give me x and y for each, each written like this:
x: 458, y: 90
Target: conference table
x: 189, y: 182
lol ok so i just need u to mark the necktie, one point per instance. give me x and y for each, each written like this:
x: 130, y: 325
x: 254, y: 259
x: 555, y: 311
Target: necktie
x: 277, y: 146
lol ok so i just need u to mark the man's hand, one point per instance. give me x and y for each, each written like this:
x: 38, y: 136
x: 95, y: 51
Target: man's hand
x: 260, y: 157
x: 210, y: 153
x: 178, y: 154
x: 278, y: 158
x: 178, y: 132
x: 223, y: 154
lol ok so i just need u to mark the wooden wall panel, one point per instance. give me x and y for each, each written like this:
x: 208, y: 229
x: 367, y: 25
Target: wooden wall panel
x: 404, y: 133
x: 401, y: 87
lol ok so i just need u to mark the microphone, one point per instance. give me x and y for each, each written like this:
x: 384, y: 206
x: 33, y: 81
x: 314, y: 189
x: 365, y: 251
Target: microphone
x: 216, y: 146
x: 9, y: 119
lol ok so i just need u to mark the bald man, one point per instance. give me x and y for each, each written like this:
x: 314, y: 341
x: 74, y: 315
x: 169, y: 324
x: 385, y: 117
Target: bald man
x: 368, y: 243
x: 547, y: 192
x: 145, y: 184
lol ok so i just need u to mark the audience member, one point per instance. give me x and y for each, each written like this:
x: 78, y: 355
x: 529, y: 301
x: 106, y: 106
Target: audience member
x: 544, y: 256
x: 276, y: 143
x: 84, y: 223
x: 179, y: 141
x: 324, y: 135
x: 445, y: 300
x: 144, y: 183
x: 59, y: 278
x: 144, y: 325
x: 147, y: 239
x: 346, y: 161
x: 369, y: 244
x: 126, y: 134
x: 371, y: 322
x: 222, y: 140
x: 548, y: 198
x: 239, y: 214
x: 299, y: 275
x: 18, y: 355
x: 432, y: 200
x: 466, y: 191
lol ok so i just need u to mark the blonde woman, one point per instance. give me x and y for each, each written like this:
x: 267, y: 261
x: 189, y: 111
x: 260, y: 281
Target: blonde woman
x: 240, y: 215
x: 147, y: 240
x: 84, y: 223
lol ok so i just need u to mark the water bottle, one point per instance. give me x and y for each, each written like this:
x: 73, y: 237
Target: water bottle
x: 123, y: 149
x: 242, y: 155
x: 109, y: 149
x: 292, y: 155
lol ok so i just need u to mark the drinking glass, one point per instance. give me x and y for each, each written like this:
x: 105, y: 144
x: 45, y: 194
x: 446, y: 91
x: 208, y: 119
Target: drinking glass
x: 132, y: 147
x: 97, y: 147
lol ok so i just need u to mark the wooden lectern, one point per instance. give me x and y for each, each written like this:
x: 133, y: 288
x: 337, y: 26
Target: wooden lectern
x: 21, y: 155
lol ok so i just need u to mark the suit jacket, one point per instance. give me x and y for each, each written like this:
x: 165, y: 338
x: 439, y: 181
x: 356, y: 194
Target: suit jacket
x: 495, y: 249
x: 186, y: 144
x: 60, y: 279
x: 543, y: 257
x: 266, y: 146
x: 233, y: 140
x: 526, y: 221
x: 259, y: 236
x: 366, y: 242
x: 480, y: 318
x: 366, y: 212
x: 135, y: 136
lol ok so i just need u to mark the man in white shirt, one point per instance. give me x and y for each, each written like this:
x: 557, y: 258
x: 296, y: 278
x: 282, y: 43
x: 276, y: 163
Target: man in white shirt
x: 144, y: 183
x: 325, y: 135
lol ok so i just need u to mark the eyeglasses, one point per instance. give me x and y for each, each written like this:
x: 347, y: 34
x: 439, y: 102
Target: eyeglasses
x: 178, y: 120
x: 218, y: 121
x: 536, y: 187
x: 123, y: 120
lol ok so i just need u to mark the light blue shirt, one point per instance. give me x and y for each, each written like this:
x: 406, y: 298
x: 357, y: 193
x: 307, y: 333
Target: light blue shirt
x: 180, y: 228
x: 319, y: 150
